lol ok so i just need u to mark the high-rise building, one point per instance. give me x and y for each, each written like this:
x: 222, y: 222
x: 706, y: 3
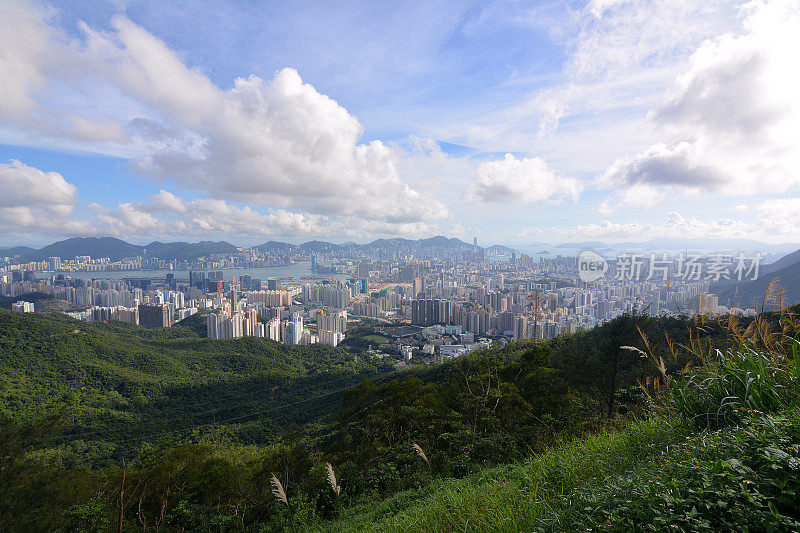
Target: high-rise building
x: 363, y: 270
x: 520, y: 327
x: 331, y: 338
x: 197, y: 279
x: 407, y: 273
x: 419, y: 286
x: 273, y: 329
x: 332, y: 320
x: 293, y: 330
x: 430, y: 312
x: 22, y: 307
x: 154, y: 315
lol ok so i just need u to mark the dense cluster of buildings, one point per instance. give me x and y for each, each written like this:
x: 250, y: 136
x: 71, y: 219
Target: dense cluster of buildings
x: 474, y: 296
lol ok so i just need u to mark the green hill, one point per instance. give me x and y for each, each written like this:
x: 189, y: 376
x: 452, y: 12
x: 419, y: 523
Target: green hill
x: 186, y: 250
x: 751, y: 293
x: 548, y: 436
x: 16, y: 250
x: 115, y: 249
x: 123, y: 381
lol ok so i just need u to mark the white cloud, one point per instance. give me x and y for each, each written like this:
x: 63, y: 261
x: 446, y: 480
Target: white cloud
x: 166, y: 201
x: 780, y: 216
x: 267, y: 143
x: 663, y: 165
x: 25, y: 186
x: 277, y: 143
x: 37, y: 203
x: 677, y: 226
x: 622, y: 56
x: 526, y: 179
x: 24, y: 41
x: 427, y: 146
x: 32, y: 199
x: 636, y: 196
x: 599, y: 7
x: 36, y: 56
x: 736, y: 111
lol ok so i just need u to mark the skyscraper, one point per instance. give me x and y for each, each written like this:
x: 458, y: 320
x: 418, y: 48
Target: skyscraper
x: 294, y: 330
x: 363, y: 270
x: 154, y: 315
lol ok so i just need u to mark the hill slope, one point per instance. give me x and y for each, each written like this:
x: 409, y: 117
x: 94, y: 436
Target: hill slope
x: 751, y: 293
x: 16, y: 250
x: 123, y: 380
x: 653, y: 474
x: 785, y: 261
x: 115, y: 249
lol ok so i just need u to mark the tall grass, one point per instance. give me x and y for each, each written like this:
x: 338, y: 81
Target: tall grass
x: 761, y: 372
x: 739, y: 381
x: 513, y: 497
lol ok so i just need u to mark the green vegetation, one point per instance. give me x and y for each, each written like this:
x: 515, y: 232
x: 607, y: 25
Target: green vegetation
x: 733, y: 468
x: 116, y: 382
x: 376, y: 339
x: 637, y: 424
x: 652, y: 476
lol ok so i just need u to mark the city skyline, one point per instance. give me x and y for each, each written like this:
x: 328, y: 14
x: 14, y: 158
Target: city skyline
x: 609, y: 120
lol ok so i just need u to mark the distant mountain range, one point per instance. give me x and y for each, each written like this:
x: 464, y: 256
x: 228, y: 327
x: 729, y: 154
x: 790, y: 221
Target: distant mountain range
x: 16, y: 250
x: 397, y: 244
x: 117, y: 249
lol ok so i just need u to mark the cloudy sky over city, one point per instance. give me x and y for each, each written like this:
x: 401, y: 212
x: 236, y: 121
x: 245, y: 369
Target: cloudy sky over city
x: 516, y: 122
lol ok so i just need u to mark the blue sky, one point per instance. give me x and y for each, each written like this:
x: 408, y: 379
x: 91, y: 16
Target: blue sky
x: 516, y: 122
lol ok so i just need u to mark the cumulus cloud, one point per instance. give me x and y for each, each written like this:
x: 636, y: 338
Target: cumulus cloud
x: 35, y: 53
x: 526, y: 179
x: 427, y: 146
x: 170, y: 215
x: 37, y: 203
x: 275, y: 143
x: 24, y: 44
x: 662, y: 165
x: 25, y: 186
x: 736, y: 111
x: 268, y: 143
x: 33, y: 201
x: 780, y: 215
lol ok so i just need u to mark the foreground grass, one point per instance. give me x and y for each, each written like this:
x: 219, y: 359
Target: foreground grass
x: 656, y: 475
x: 514, y: 497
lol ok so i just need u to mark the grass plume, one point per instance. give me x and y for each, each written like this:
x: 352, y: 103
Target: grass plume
x: 277, y: 490
x: 332, y: 479
x: 421, y: 453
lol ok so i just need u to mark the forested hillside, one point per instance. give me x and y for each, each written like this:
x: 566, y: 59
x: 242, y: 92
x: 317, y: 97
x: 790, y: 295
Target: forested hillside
x: 198, y: 433
x: 117, y: 382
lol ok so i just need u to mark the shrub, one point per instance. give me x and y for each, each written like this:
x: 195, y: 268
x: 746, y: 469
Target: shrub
x: 716, y: 395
